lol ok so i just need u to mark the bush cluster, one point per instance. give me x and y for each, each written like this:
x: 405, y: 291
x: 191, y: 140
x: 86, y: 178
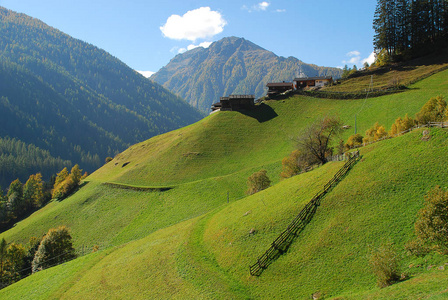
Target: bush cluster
x: 258, y: 181
x: 18, y: 261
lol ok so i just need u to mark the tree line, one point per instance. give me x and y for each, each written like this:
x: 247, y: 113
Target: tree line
x: 19, y: 160
x: 23, y: 199
x: 409, y: 28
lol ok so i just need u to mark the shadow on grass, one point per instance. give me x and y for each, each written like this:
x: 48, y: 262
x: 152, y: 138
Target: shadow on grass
x: 262, y: 113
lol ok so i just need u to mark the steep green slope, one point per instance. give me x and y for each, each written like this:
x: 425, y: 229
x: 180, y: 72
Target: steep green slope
x: 203, y: 162
x: 376, y: 203
x: 208, y: 257
x: 231, y: 66
x: 208, y: 250
x: 75, y: 100
x: 233, y: 140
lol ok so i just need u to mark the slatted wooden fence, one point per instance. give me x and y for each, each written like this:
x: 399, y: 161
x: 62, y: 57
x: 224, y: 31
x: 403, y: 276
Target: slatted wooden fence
x: 284, y: 240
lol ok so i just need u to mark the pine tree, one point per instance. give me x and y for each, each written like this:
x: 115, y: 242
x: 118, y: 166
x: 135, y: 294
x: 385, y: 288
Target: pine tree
x: 379, y: 25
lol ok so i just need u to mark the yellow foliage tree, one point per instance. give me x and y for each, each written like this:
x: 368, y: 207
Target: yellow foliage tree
x: 65, y: 183
x: 375, y: 133
x: 435, y: 110
x: 401, y: 125
x: 353, y: 141
x: 33, y: 190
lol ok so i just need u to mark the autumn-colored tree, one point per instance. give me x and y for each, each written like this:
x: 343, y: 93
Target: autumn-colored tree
x: 11, y: 262
x: 258, y: 181
x: 296, y: 162
x: 63, y: 189
x: 382, y: 58
x: 61, y: 176
x: 435, y: 110
x: 76, y: 174
x: 401, y: 125
x: 33, y: 191
x: 432, y: 222
x: 353, y: 141
x: 55, y: 248
x: 375, y: 133
x: 65, y: 183
x: 15, y: 254
x: 290, y: 165
x: 316, y: 139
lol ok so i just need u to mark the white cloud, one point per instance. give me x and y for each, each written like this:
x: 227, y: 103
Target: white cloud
x: 203, y: 45
x: 280, y: 10
x: 192, y: 46
x: 147, y: 74
x: 370, y: 60
x: 195, y: 24
x: 354, y: 53
x: 355, y: 58
x: 263, y: 5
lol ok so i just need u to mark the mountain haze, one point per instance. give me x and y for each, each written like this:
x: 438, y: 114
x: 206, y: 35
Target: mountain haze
x: 75, y: 100
x: 230, y: 66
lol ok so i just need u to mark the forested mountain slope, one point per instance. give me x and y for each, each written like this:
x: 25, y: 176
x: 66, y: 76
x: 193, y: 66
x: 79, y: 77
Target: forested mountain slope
x: 230, y: 66
x: 74, y: 100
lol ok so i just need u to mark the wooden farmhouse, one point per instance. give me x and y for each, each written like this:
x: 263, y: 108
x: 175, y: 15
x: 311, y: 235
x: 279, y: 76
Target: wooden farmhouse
x: 275, y: 88
x: 300, y: 83
x: 235, y: 102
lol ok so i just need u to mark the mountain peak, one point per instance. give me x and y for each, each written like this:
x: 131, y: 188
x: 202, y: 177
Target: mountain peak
x: 232, y: 65
x: 237, y: 42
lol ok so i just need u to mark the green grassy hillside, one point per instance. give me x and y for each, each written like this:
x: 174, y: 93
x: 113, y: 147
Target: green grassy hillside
x: 186, y: 241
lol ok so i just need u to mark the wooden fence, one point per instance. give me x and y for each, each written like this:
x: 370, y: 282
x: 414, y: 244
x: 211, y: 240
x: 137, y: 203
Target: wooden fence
x: 285, y: 239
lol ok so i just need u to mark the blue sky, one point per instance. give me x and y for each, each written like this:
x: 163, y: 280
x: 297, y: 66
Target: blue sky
x: 147, y: 34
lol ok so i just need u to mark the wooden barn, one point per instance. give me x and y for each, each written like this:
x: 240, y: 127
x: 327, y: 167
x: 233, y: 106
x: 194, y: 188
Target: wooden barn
x: 275, y: 88
x: 235, y: 102
x: 300, y: 83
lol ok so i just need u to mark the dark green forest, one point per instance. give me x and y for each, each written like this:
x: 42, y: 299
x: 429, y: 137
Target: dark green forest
x: 18, y: 159
x: 74, y: 100
x: 405, y: 29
